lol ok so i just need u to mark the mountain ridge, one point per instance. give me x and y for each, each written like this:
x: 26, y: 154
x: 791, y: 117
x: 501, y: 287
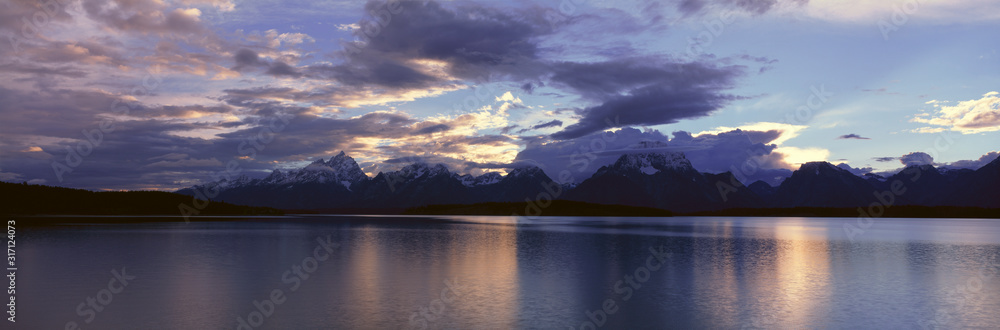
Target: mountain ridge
x: 664, y: 180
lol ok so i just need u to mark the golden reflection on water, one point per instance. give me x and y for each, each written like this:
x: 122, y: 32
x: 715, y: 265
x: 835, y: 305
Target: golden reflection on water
x: 479, y: 260
x: 780, y: 280
x: 484, y: 263
x: 803, y: 275
x: 366, y: 270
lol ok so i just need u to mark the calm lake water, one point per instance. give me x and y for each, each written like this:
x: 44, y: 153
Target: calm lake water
x: 506, y: 272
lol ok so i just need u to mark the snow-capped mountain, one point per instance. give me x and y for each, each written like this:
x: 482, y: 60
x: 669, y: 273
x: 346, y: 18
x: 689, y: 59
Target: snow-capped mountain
x: 317, y: 185
x: 416, y: 184
x: 340, y: 169
x: 650, y: 163
x: 487, y: 178
x: 664, y: 180
x: 643, y: 178
x: 340, y: 183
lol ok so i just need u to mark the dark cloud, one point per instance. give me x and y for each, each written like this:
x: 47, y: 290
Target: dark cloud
x: 432, y: 129
x: 857, y: 171
x: 647, y: 106
x: 363, y: 72
x: 528, y: 87
x: 507, y: 129
x: 753, y: 7
x: 885, y: 159
x: 171, y: 111
x: 246, y: 60
x: 130, y: 157
x: 852, y: 136
x: 688, y: 7
x: 281, y: 69
x: 554, y: 123
x: 470, y: 38
x: 644, y: 92
x: 15, y: 10
x: 38, y: 70
x: 477, y: 43
x: 916, y: 158
x: 326, y: 95
x: 975, y: 164
x: 484, y: 44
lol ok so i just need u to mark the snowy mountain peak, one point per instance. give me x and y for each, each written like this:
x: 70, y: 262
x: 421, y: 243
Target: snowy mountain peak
x: 239, y: 181
x: 341, y: 158
x: 486, y: 179
x: 439, y: 169
x: 420, y: 169
x: 341, y: 169
x: 650, y: 163
x: 525, y: 171
x: 276, y: 176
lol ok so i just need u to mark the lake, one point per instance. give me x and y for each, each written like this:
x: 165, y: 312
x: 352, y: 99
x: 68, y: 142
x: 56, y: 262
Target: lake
x: 390, y: 272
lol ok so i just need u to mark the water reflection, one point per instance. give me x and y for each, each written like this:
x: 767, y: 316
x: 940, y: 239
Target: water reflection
x: 508, y: 272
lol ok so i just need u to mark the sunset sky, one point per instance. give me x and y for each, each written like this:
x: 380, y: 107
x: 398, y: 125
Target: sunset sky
x: 167, y: 92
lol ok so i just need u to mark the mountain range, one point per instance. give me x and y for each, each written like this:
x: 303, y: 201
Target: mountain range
x: 664, y: 180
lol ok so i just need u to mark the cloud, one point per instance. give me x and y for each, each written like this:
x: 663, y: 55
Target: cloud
x: 633, y: 92
x: 432, y: 129
x: 754, y: 7
x: 281, y: 69
x: 469, y: 42
x: 246, y: 59
x: 554, y: 123
x: 372, y: 71
x: 187, y: 163
x: 856, y: 171
x: 763, y: 132
x: 348, y: 27
x: 145, y: 17
x: 727, y: 151
x: 10, y: 177
x: 975, y: 164
x: 509, y: 97
x: 190, y: 125
x: 968, y: 117
x: 916, y: 158
x: 42, y: 71
x: 482, y: 44
x: 928, y: 130
x: 853, y: 136
x: 885, y: 159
